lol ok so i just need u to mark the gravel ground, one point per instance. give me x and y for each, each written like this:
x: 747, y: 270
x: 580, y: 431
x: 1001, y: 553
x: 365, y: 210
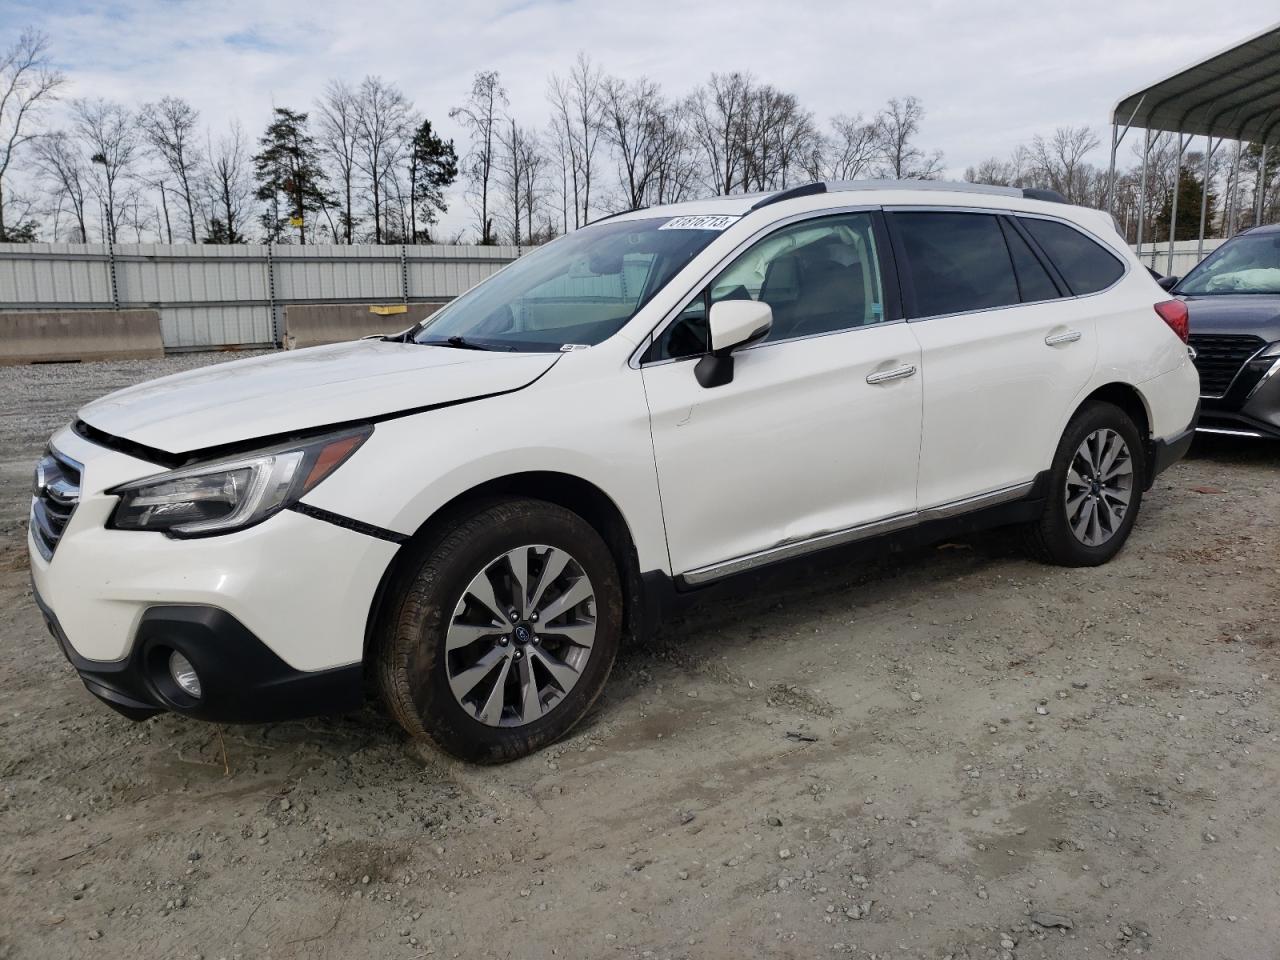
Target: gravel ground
x: 956, y: 753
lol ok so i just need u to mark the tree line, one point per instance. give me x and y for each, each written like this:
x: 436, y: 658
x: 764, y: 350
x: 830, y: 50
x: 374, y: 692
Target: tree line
x: 361, y: 164
x: 1237, y: 180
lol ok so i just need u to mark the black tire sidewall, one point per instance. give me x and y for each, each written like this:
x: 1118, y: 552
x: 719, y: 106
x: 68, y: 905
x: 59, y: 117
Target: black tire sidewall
x: 441, y: 577
x: 1056, y: 528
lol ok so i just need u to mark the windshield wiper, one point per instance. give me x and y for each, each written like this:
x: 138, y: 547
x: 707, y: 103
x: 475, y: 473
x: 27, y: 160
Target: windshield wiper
x: 458, y: 343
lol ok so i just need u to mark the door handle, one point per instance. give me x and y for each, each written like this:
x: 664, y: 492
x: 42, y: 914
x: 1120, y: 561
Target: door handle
x: 1055, y: 339
x: 897, y: 373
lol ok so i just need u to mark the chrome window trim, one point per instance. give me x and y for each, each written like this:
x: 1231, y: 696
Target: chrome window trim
x: 1128, y: 267
x: 835, y: 538
x: 660, y: 327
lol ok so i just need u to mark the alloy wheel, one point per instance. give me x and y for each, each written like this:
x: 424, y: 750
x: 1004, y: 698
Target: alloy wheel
x: 1099, y: 487
x: 520, y: 635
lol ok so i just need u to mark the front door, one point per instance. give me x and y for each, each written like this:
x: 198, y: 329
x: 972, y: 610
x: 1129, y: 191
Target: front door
x: 819, y: 429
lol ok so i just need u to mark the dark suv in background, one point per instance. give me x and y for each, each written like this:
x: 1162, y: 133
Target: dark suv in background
x: 1234, y: 300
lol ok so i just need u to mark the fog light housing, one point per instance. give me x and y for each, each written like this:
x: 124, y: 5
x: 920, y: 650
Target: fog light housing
x: 184, y: 674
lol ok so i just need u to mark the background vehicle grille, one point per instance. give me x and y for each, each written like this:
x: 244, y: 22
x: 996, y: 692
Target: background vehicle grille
x: 54, y: 497
x: 1219, y: 358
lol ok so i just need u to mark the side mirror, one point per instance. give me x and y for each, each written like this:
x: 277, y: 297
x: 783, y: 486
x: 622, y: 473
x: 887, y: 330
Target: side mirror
x: 1168, y: 283
x: 732, y: 324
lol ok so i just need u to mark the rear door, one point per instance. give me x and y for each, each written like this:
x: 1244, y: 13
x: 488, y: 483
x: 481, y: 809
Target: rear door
x: 1005, y: 351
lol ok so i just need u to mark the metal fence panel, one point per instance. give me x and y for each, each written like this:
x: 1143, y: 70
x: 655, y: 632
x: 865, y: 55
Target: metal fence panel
x: 1185, y: 255
x: 229, y: 295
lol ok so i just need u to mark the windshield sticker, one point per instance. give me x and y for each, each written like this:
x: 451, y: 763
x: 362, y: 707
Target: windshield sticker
x: 699, y: 223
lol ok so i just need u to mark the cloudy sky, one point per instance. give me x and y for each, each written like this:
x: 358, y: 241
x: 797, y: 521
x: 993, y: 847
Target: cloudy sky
x: 990, y: 73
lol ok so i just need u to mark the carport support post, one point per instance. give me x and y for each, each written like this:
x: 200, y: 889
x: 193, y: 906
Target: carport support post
x: 1204, y: 194
x: 1173, y: 211
x: 1142, y: 189
x: 1233, y: 200
x: 1262, y: 186
x: 1111, y: 171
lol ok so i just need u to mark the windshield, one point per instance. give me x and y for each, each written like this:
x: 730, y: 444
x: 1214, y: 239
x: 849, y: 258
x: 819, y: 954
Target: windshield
x: 576, y: 291
x: 1247, y: 264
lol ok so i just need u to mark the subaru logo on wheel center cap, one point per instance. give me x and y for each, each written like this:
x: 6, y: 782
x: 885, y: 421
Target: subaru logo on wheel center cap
x: 523, y: 634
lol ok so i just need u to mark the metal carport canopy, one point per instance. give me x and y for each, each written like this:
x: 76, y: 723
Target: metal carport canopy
x: 1233, y: 94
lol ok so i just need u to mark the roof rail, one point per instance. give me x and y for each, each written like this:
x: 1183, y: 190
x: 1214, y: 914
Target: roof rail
x: 804, y: 190
x: 945, y: 186
x: 1041, y: 193
x: 618, y: 213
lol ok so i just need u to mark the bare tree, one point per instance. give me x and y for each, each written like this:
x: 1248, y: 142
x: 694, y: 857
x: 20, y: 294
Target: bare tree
x: 62, y: 166
x: 716, y: 113
x: 383, y: 124
x: 577, y: 105
x: 170, y: 130
x: 520, y: 165
x: 230, y: 186
x: 632, y: 114
x: 562, y: 153
x: 847, y: 152
x: 676, y: 174
x: 27, y: 84
x: 896, y: 128
x: 480, y: 114
x: 776, y: 136
x: 1059, y: 161
x: 339, y: 135
x: 110, y: 134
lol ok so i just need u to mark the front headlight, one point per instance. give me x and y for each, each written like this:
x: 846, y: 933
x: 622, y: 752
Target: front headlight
x: 232, y: 493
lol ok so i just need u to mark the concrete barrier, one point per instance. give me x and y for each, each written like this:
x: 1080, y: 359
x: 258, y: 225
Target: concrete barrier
x: 311, y: 324
x: 71, y: 335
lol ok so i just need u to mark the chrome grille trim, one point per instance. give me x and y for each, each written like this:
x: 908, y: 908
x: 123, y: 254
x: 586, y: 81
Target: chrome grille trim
x: 1219, y: 359
x: 54, y: 496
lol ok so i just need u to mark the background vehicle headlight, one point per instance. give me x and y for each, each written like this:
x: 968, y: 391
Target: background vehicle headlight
x: 233, y: 493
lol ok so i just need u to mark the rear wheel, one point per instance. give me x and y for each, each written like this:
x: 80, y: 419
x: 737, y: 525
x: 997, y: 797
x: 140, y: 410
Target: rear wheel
x: 1095, y: 489
x: 503, y: 631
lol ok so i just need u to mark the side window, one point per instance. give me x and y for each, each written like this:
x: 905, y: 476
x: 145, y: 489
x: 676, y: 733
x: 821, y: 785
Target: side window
x: 819, y: 276
x: 1085, y: 264
x: 958, y: 262
x: 1034, y: 282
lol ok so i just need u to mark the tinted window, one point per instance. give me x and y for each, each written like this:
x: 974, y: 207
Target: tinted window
x: 1083, y: 263
x: 958, y: 262
x: 819, y: 276
x: 1034, y: 282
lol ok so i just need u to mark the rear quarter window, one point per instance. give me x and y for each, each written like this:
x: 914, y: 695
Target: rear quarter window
x: 1084, y: 264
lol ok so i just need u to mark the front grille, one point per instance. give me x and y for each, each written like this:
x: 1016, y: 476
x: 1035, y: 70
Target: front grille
x: 1220, y: 357
x: 54, y: 496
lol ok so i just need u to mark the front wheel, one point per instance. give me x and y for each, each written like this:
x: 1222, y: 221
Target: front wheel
x: 503, y: 631
x: 1095, y: 489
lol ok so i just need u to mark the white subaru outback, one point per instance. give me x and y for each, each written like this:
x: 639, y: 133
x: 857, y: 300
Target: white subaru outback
x: 473, y: 513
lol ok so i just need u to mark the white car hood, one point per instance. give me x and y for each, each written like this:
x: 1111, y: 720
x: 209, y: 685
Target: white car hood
x: 302, y: 389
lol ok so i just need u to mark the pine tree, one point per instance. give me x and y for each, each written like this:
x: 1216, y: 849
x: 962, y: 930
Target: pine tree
x: 1189, y: 194
x: 287, y: 169
x: 432, y: 167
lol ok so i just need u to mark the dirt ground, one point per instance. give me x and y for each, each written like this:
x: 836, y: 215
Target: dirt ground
x: 957, y: 753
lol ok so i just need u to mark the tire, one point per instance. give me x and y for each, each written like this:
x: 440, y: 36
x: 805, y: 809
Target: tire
x: 1056, y: 536
x: 452, y: 668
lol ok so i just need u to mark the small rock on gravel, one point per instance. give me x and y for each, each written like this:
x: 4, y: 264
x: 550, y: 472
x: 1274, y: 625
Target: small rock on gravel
x: 1045, y: 919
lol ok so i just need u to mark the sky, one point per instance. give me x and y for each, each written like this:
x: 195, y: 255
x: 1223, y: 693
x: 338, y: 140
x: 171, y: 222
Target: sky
x: 990, y: 74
